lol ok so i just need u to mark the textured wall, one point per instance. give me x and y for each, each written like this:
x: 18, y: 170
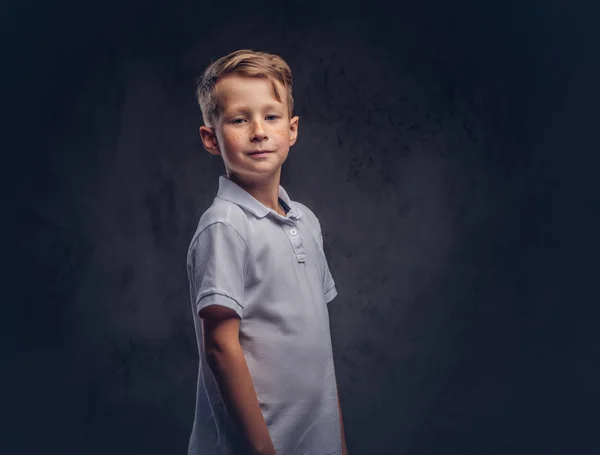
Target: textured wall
x: 444, y: 149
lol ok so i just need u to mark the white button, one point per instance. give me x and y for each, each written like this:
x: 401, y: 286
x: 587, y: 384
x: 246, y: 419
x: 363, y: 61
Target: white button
x: 293, y: 231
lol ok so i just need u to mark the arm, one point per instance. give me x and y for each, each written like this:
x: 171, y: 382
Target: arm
x: 228, y: 364
x: 344, y: 448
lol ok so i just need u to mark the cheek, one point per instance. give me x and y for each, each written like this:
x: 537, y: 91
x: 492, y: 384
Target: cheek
x: 234, y: 138
x: 282, y: 135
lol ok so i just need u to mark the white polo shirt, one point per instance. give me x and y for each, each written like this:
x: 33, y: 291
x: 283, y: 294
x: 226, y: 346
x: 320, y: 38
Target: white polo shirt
x: 272, y: 271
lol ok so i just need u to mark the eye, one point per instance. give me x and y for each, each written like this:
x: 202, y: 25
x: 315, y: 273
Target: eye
x: 237, y: 120
x: 272, y: 116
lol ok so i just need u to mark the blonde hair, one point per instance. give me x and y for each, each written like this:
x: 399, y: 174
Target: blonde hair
x: 248, y: 63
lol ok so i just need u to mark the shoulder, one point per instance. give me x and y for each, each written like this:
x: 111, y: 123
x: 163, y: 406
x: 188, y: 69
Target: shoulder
x: 222, y: 216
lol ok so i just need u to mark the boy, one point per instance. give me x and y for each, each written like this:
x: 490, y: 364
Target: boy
x: 259, y: 280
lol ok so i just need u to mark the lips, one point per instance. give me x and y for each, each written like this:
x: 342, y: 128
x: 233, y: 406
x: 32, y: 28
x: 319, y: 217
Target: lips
x: 259, y: 152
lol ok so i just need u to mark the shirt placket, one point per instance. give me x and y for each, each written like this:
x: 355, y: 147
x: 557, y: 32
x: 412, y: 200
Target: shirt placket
x: 295, y: 238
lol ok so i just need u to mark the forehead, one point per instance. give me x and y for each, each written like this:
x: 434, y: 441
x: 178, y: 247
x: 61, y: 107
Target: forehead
x: 235, y: 90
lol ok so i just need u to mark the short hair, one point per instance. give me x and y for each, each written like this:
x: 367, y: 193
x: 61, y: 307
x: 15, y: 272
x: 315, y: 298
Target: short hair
x: 248, y: 63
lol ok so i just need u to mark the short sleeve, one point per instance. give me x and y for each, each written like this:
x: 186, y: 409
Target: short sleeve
x: 218, y: 263
x: 328, y: 283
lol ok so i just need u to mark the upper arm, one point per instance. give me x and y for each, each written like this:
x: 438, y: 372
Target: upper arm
x: 328, y: 282
x: 218, y: 268
x: 217, y: 271
x: 220, y: 326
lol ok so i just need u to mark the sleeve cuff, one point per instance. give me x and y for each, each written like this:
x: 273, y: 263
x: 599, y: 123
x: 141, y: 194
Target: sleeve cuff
x: 329, y: 295
x: 219, y: 299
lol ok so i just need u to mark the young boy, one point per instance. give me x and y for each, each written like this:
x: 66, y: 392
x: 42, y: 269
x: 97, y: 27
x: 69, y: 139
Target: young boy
x: 259, y: 280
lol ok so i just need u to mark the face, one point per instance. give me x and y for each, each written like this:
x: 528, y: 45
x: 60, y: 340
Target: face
x: 251, y: 119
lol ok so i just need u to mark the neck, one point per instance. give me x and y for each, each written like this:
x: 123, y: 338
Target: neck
x: 266, y: 191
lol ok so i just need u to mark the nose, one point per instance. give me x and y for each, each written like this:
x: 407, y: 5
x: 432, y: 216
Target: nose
x: 258, y: 131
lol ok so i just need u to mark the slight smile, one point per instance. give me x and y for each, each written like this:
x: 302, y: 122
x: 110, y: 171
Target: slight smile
x: 259, y: 153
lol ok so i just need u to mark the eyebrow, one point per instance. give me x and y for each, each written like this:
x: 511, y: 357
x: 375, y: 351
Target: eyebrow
x: 274, y: 106
x: 244, y: 109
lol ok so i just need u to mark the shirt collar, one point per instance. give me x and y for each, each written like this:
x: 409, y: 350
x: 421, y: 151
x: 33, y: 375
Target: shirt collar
x: 231, y: 191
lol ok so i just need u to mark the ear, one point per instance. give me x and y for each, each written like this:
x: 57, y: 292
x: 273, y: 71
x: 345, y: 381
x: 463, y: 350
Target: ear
x: 293, y: 130
x: 209, y: 139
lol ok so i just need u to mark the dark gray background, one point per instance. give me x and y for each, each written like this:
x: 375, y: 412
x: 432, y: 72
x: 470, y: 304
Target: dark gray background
x: 448, y: 148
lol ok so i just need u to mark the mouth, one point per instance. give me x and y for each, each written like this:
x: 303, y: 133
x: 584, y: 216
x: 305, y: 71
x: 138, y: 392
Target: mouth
x: 260, y: 153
